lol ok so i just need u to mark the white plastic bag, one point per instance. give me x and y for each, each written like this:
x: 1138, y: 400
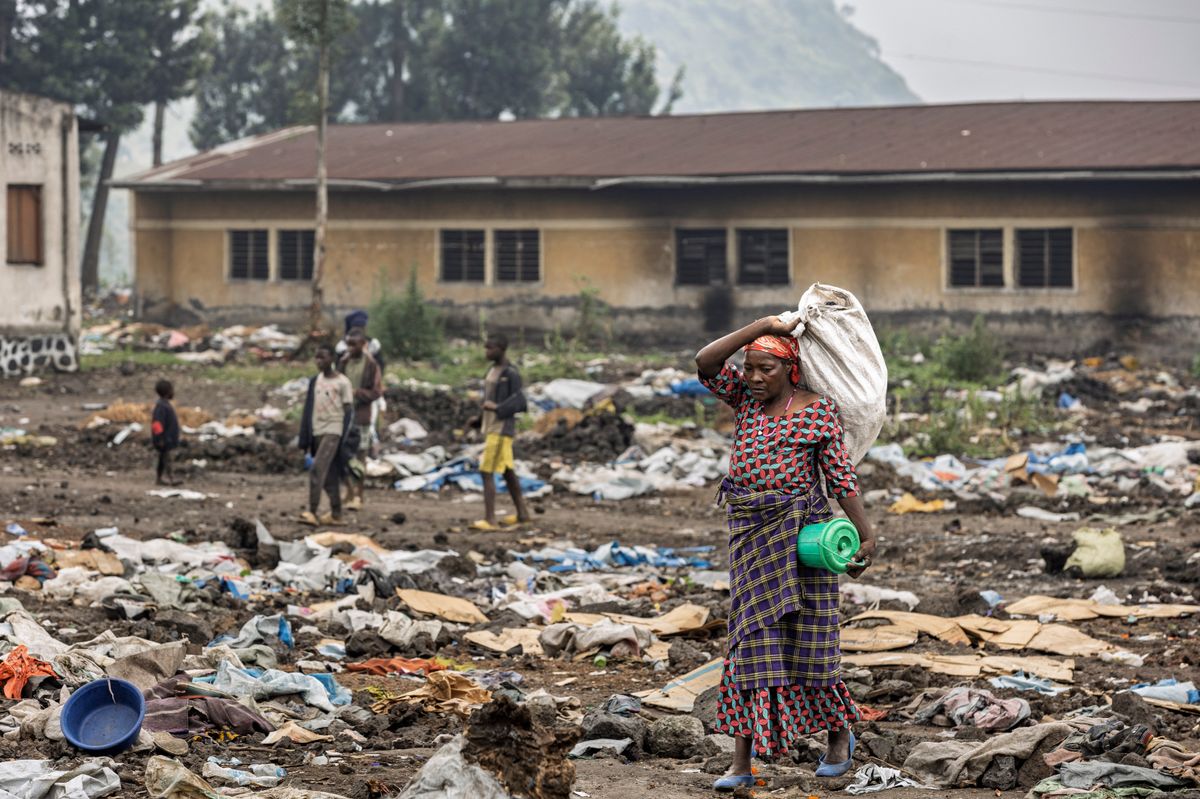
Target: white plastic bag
x: 840, y: 358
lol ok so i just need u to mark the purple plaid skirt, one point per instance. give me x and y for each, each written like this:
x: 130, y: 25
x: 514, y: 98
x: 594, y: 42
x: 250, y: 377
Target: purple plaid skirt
x: 784, y: 623
x: 782, y: 678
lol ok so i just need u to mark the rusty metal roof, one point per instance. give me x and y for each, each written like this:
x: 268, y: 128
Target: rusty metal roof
x: 917, y: 142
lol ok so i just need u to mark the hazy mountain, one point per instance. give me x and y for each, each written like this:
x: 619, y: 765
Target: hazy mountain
x: 754, y: 54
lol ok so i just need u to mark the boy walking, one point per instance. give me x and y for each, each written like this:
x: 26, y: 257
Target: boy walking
x: 326, y: 422
x: 502, y: 401
x: 364, y: 374
x: 164, y: 431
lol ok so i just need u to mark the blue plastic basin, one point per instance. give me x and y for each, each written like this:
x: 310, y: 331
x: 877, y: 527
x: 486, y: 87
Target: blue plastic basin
x: 104, y: 716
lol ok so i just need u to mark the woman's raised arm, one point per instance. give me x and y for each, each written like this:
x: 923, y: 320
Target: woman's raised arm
x: 711, y: 359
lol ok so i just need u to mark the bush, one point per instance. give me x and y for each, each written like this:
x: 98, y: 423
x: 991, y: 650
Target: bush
x: 590, y: 327
x: 406, y: 325
x: 1196, y: 365
x: 976, y: 356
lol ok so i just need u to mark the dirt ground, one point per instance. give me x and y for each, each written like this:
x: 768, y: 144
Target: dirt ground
x: 83, y: 484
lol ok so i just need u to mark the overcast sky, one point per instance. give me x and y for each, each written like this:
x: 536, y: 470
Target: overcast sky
x: 961, y: 50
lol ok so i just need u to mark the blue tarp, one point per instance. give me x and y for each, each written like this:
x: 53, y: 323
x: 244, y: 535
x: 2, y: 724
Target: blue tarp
x: 614, y: 556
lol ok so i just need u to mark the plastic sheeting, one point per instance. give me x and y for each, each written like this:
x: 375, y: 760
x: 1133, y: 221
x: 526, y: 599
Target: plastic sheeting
x: 35, y: 779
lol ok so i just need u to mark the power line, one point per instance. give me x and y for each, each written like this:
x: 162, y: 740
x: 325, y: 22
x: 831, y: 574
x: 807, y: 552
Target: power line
x: 1084, y: 12
x: 1077, y: 11
x: 1039, y: 70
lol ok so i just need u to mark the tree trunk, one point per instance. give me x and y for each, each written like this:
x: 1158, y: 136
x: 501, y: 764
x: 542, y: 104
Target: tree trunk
x: 160, y: 108
x: 399, y: 54
x: 314, y: 314
x: 90, y: 270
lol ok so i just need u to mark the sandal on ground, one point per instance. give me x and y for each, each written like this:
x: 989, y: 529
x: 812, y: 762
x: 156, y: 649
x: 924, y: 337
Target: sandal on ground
x: 485, y: 526
x: 731, y: 782
x: 309, y: 518
x: 329, y: 518
x: 836, y: 769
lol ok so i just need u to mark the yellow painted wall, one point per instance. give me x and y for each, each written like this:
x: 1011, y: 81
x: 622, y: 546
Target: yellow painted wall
x: 1137, y: 244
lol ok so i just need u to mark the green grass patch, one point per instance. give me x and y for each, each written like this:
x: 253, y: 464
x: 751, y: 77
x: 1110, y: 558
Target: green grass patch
x: 268, y: 373
x: 975, y: 427
x: 114, y: 358
x: 462, y: 363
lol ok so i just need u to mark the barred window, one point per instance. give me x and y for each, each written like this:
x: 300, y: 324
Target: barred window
x: 296, y: 248
x: 518, y: 256
x: 248, y: 259
x: 1045, y: 258
x: 700, y: 257
x: 763, y: 257
x: 976, y: 258
x: 463, y: 256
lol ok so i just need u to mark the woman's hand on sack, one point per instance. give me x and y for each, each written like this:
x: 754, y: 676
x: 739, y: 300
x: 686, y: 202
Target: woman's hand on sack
x: 862, y: 559
x: 777, y: 327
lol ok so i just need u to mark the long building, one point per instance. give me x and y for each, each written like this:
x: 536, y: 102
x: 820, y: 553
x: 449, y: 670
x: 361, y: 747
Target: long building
x: 1033, y: 214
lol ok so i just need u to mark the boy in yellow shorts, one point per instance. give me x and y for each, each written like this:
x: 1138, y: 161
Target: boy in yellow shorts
x: 502, y: 401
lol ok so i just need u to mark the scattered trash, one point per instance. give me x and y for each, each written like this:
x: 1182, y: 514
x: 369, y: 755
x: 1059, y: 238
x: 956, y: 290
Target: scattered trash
x: 873, y: 777
x: 1098, y: 553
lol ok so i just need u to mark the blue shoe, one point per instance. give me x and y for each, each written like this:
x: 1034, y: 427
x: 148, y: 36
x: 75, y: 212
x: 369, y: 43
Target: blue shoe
x: 836, y: 769
x: 730, y: 782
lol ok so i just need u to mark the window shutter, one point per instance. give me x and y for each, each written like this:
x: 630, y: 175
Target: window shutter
x: 296, y: 254
x: 763, y: 257
x: 248, y: 257
x: 463, y: 256
x: 1045, y: 257
x: 24, y: 226
x: 518, y: 255
x: 1061, y: 257
x: 700, y: 257
x: 991, y: 258
x: 976, y: 258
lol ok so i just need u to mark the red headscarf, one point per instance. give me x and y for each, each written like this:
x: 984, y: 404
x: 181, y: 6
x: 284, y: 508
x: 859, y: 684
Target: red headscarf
x: 785, y: 348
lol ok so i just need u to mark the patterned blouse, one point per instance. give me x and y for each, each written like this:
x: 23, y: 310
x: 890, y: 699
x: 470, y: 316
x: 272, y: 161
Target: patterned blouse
x: 781, y: 453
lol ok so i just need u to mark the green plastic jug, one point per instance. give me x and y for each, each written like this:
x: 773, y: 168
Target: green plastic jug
x: 829, y: 545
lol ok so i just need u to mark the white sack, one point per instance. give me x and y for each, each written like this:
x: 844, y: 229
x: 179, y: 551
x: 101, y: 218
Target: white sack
x: 840, y: 358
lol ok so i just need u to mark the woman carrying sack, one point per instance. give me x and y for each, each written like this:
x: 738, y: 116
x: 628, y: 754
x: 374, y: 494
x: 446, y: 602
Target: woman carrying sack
x: 782, y: 676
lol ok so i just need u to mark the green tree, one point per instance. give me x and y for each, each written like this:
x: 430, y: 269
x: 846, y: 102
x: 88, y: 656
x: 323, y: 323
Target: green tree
x: 603, y: 74
x: 96, y: 55
x: 431, y: 60
x: 180, y: 49
x: 254, y: 80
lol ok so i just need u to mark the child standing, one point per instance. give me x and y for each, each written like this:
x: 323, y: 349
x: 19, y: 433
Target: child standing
x: 503, y: 399
x: 164, y: 431
x: 328, y: 414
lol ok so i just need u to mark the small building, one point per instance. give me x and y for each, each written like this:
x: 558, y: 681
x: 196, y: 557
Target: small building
x: 1033, y: 214
x: 39, y: 254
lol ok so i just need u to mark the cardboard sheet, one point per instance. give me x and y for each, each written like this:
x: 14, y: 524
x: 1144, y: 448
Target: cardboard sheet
x: 941, y: 628
x: 680, y: 694
x: 524, y: 637
x: 1056, y: 639
x: 450, y: 608
x: 878, y: 639
x: 1083, y: 609
x: 680, y: 620
x: 968, y: 665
